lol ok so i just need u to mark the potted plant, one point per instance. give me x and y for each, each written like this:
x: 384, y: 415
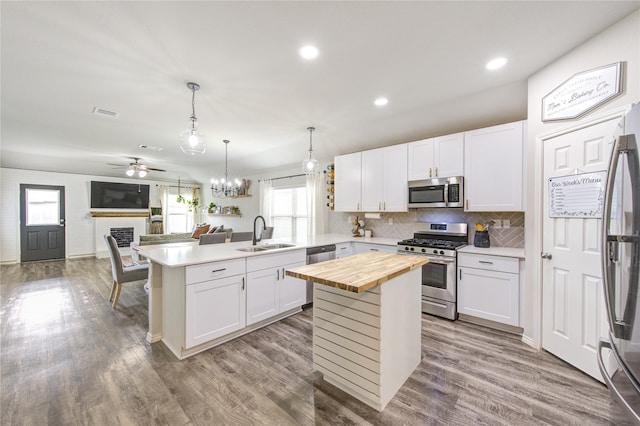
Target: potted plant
x: 212, y: 207
x: 193, y: 204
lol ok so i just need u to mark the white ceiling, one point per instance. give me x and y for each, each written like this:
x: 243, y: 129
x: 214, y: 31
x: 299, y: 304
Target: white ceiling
x: 62, y: 59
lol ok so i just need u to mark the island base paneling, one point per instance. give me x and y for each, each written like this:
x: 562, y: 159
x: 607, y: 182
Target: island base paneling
x: 367, y: 344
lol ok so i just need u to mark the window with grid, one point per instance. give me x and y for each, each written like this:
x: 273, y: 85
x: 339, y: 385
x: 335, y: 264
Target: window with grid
x: 289, y: 212
x: 179, y: 218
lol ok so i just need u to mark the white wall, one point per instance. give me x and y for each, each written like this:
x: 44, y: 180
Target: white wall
x: 80, y: 226
x: 621, y: 42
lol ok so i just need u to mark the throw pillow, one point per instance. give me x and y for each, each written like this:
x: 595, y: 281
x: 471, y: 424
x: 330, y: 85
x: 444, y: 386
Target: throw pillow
x: 219, y: 229
x: 212, y: 229
x: 199, y: 230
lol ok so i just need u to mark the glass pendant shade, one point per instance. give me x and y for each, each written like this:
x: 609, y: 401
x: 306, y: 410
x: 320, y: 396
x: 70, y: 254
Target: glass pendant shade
x: 191, y: 140
x: 310, y: 166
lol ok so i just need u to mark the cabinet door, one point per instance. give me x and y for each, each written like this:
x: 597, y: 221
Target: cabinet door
x: 449, y: 155
x: 420, y: 159
x: 343, y: 250
x: 489, y: 294
x: 493, y: 168
x: 262, y: 294
x: 214, y: 308
x: 373, y: 180
x: 293, y: 291
x: 395, y: 186
x: 348, y: 182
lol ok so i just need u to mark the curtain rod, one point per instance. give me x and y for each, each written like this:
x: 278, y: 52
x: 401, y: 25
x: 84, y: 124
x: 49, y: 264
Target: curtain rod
x: 287, y: 177
x: 181, y: 186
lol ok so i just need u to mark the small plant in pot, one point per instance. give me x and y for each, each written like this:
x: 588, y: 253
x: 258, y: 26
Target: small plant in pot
x: 212, y: 208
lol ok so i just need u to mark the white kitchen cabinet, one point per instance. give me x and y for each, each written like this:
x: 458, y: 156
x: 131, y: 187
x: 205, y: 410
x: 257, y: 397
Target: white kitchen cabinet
x: 214, y: 301
x: 494, y: 168
x: 269, y: 290
x: 344, y: 250
x: 348, y: 182
x: 384, y: 179
x: 436, y: 157
x: 488, y: 287
x: 365, y: 247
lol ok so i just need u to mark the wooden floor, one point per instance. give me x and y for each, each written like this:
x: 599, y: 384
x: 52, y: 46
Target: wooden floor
x: 68, y: 358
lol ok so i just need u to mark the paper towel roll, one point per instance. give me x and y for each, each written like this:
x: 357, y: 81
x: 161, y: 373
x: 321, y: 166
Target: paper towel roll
x: 373, y: 215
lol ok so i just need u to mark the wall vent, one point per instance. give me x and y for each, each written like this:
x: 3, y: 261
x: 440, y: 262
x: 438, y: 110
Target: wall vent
x: 105, y: 112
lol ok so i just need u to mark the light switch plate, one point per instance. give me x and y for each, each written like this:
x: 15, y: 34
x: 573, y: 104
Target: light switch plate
x: 506, y: 224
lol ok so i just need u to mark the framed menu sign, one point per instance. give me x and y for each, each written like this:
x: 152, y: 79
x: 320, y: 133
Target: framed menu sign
x: 582, y: 92
x: 577, y: 196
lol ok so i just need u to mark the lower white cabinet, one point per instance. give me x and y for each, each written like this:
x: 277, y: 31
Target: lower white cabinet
x: 214, y: 308
x: 365, y: 247
x: 269, y: 290
x: 214, y: 301
x: 488, y: 287
x: 343, y: 250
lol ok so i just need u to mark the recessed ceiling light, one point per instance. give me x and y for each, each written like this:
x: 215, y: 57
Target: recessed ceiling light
x: 381, y: 101
x: 309, y: 52
x: 496, y: 63
x: 105, y: 112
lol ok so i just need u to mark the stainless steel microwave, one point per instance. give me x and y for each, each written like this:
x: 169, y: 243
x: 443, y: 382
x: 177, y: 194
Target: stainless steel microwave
x: 441, y: 192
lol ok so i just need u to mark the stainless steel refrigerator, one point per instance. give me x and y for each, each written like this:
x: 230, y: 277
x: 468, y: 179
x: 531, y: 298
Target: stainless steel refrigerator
x: 621, y: 265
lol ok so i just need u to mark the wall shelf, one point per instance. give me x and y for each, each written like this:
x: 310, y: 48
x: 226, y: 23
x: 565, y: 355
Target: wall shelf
x: 223, y: 214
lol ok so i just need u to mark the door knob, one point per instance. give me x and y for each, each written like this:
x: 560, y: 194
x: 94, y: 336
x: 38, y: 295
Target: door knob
x: 545, y: 255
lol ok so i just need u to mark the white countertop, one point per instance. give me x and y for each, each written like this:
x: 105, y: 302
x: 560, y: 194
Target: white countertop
x: 191, y: 253
x: 494, y: 251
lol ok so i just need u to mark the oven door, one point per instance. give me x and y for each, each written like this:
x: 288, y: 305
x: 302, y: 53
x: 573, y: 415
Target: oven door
x: 439, y: 278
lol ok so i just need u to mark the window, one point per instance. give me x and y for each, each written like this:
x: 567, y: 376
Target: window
x: 43, y: 207
x: 179, y: 218
x: 289, y: 213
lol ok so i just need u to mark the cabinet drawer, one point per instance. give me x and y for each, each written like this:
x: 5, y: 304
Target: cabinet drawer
x: 214, y: 270
x: 264, y: 261
x: 490, y: 263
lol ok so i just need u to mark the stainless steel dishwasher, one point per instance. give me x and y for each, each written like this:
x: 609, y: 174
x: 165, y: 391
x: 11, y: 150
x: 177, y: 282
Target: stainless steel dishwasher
x: 317, y: 255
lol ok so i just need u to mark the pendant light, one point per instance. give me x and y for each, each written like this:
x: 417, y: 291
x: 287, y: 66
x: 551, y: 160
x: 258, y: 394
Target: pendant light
x: 310, y: 166
x: 191, y: 140
x: 225, y: 187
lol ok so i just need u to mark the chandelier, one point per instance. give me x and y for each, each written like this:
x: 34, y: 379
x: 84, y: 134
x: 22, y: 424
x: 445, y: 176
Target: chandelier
x: 310, y: 165
x: 191, y: 140
x: 225, y: 187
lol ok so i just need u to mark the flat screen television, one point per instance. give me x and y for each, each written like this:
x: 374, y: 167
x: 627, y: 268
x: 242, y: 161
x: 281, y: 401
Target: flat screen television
x: 112, y: 195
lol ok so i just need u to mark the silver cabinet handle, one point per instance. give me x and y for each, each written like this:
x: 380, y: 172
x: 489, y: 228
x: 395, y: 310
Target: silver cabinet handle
x: 439, y: 305
x: 278, y: 274
x: 545, y: 255
x: 486, y: 262
x: 218, y: 270
x: 242, y: 283
x: 283, y: 273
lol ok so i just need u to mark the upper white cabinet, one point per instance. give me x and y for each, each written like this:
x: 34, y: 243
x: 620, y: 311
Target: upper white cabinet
x: 436, y: 157
x: 348, y: 182
x: 384, y: 179
x: 493, y: 168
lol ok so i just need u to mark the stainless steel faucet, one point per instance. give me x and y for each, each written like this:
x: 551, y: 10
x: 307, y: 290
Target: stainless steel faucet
x: 264, y: 228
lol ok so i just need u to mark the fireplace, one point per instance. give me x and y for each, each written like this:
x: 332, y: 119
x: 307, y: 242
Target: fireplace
x: 123, y: 236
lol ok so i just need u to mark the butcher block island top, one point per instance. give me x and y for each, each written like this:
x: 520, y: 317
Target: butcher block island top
x: 360, y: 272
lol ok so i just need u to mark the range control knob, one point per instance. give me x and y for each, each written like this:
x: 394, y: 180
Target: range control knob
x: 411, y: 249
x: 423, y: 250
x: 435, y: 252
x: 406, y: 248
x: 441, y: 251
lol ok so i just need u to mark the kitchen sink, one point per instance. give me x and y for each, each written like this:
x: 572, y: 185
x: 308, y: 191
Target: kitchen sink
x: 266, y: 247
x: 277, y: 246
x: 252, y: 249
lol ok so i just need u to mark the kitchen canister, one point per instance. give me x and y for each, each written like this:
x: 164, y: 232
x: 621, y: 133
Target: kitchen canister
x: 481, y: 239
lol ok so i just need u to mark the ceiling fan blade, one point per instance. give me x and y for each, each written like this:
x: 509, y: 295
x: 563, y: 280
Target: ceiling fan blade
x: 154, y: 169
x: 117, y: 165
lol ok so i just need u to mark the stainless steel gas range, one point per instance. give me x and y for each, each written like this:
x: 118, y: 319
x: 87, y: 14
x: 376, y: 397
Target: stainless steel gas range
x: 438, y: 242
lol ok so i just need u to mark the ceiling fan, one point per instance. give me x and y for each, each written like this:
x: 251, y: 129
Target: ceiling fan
x: 136, y: 167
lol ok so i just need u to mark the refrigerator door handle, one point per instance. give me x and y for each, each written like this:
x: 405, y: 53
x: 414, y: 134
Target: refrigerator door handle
x: 612, y: 387
x: 608, y: 268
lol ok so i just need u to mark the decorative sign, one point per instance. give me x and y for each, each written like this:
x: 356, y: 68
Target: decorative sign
x: 582, y: 92
x: 577, y: 196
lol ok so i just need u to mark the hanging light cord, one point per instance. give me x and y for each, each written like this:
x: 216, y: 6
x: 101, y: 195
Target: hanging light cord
x: 310, y: 129
x: 193, y: 109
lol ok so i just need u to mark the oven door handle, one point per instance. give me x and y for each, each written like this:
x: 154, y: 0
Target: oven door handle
x: 441, y: 261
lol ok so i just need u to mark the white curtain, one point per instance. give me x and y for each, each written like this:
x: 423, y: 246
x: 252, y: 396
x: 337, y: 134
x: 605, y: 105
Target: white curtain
x: 266, y: 189
x: 316, y: 206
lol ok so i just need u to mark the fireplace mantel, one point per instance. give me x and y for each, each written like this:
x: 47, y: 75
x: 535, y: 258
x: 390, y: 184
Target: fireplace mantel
x: 119, y: 213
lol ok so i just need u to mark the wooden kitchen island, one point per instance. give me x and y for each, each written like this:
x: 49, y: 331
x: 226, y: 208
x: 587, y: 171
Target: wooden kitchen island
x: 366, y: 322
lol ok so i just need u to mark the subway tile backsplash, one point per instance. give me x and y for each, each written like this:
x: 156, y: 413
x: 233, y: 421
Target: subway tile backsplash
x: 402, y: 226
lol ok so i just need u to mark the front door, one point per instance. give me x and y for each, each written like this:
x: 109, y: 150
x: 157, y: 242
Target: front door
x: 573, y: 316
x: 42, y: 235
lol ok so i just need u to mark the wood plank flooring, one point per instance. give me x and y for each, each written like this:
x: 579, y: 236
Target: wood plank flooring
x: 67, y: 358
